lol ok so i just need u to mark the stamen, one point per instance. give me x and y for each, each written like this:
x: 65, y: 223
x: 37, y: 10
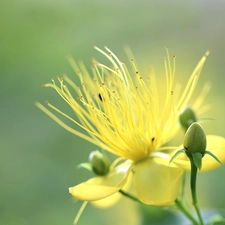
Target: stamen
x: 73, y: 131
x: 199, y: 101
x: 117, y: 103
x: 115, y: 163
x: 188, y: 91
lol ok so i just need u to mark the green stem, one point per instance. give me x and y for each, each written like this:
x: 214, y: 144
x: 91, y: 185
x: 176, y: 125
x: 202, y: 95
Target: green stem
x: 178, y: 203
x: 185, y: 211
x: 130, y: 196
x: 193, y: 179
x: 183, y: 185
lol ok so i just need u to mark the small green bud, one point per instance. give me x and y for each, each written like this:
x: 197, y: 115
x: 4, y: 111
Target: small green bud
x: 99, y: 162
x: 187, y: 117
x: 195, y: 139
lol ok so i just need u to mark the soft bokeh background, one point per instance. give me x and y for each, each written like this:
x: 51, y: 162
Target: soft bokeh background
x: 38, y: 159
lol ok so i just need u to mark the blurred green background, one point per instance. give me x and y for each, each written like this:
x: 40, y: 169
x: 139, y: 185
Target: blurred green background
x: 38, y: 159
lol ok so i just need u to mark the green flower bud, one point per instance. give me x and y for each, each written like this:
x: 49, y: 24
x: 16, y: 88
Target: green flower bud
x: 99, y: 162
x: 195, y: 139
x: 187, y: 117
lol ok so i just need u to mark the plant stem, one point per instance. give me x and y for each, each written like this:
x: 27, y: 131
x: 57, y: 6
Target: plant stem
x: 130, y: 196
x: 183, y: 185
x: 193, y: 179
x: 185, y: 211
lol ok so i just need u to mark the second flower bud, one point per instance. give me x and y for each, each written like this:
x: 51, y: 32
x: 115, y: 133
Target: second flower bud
x: 195, y: 139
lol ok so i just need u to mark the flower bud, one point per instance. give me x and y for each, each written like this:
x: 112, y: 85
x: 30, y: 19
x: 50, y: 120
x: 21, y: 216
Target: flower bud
x: 99, y: 162
x: 195, y: 139
x: 187, y: 117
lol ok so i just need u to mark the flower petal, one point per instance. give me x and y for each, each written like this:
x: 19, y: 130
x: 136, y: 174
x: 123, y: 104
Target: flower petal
x: 112, y: 199
x: 216, y: 145
x: 156, y: 183
x: 102, y: 186
x: 108, y: 201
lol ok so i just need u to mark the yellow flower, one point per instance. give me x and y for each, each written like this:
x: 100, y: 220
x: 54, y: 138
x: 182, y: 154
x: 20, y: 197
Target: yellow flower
x: 131, y: 116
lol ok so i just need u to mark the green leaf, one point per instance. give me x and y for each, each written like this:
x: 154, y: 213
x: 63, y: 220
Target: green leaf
x: 177, y: 154
x: 197, y: 157
x: 211, y: 154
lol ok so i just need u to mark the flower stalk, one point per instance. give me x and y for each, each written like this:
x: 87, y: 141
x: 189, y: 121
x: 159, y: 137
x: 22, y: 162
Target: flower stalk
x: 130, y: 196
x: 180, y: 205
x: 193, y: 180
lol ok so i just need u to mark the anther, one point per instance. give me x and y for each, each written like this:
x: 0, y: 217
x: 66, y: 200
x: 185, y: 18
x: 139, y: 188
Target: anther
x: 100, y: 97
x: 207, y: 53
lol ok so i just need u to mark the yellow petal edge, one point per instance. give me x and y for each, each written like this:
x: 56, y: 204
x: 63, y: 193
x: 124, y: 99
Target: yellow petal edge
x: 101, y: 187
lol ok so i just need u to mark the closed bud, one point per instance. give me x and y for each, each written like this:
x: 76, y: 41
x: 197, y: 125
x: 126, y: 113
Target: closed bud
x: 187, y: 117
x: 195, y: 139
x: 99, y: 162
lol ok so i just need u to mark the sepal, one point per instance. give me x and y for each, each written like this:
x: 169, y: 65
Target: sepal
x: 176, y: 155
x: 211, y: 154
x: 197, y: 158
